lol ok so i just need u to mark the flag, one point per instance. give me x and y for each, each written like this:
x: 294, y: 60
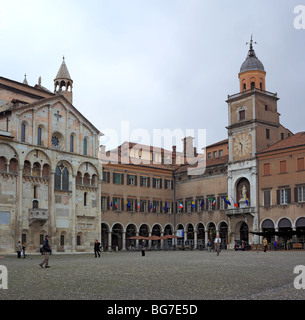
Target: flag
x: 138, y: 205
x: 226, y: 200
x: 150, y: 206
x: 202, y: 203
x: 128, y: 204
x: 214, y: 202
x: 181, y: 205
x: 235, y: 203
x: 115, y: 204
x: 193, y: 204
x: 165, y: 206
x: 111, y: 204
x: 247, y: 201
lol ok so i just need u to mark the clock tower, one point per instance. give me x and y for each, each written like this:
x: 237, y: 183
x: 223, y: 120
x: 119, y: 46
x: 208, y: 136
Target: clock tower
x: 253, y: 124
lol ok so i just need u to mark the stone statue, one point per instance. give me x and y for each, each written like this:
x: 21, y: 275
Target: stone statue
x: 244, y: 192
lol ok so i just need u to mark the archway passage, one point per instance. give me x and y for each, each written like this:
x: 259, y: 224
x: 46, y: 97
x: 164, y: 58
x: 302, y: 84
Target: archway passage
x: 212, y: 232
x: 285, y: 230
x: 117, y: 237
x: 200, y: 236
x: 105, y: 233
x: 268, y: 229
x: 131, y: 231
x: 244, y: 232
x: 223, y: 234
x: 190, y: 235
x: 300, y: 229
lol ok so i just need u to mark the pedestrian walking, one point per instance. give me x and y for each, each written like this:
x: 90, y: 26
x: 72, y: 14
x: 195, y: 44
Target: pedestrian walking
x: 217, y: 243
x: 143, y: 248
x: 24, y: 246
x: 46, y: 249
x: 275, y: 245
x: 209, y: 245
x: 265, y: 244
x: 18, y: 250
x: 97, y: 249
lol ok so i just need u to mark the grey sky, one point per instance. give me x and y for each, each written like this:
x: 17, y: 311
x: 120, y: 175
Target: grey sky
x: 156, y: 63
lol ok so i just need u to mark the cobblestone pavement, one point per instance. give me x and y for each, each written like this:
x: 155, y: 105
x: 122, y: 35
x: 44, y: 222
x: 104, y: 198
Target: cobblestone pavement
x: 160, y: 275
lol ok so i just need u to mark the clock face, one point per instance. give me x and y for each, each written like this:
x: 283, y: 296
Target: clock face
x: 242, y: 145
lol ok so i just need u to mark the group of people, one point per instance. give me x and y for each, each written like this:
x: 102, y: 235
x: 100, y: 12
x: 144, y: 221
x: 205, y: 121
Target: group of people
x: 20, y: 249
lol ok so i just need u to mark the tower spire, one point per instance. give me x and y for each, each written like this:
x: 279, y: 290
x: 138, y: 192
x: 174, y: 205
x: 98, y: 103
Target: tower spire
x: 251, y: 50
x: 63, y: 82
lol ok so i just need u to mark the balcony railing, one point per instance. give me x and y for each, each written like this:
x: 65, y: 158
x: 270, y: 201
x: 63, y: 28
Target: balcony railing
x: 240, y: 211
x: 40, y: 215
x: 240, y: 94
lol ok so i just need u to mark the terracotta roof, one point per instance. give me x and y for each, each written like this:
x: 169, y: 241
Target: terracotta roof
x: 218, y: 143
x: 209, y: 163
x: 296, y: 140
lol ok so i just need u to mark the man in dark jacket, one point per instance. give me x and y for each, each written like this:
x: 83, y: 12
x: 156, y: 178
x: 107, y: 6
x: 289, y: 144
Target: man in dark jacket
x: 97, y: 248
x: 46, y: 249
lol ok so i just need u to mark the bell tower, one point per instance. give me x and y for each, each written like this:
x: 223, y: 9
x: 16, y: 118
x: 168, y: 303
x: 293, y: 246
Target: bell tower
x: 252, y: 73
x: 63, y: 82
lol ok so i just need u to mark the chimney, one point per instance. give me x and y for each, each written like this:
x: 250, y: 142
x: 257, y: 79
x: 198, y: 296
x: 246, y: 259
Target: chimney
x: 174, y: 154
x: 188, y: 148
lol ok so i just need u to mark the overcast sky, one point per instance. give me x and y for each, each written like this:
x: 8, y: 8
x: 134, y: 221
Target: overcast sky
x: 156, y: 64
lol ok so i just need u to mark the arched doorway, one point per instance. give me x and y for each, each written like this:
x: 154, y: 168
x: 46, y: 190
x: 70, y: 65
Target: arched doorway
x: 190, y: 235
x: 117, y: 237
x: 244, y: 232
x: 285, y: 229
x: 144, y: 230
x: 168, y: 230
x: 223, y: 234
x: 268, y: 228
x: 131, y: 231
x: 300, y: 229
x: 180, y: 232
x: 156, y: 231
x: 200, y: 236
x: 105, y: 233
x: 212, y: 231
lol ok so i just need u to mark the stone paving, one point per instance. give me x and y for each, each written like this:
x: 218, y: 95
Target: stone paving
x: 160, y: 275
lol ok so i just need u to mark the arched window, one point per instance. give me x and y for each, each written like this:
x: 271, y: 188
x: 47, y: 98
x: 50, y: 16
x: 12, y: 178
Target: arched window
x: 35, y: 204
x: 57, y: 178
x: 22, y: 132
x: 85, y: 146
x: 71, y: 143
x: 61, y: 178
x: 39, y: 136
x: 65, y: 179
x: 252, y: 85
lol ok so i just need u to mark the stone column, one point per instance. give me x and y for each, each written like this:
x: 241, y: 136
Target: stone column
x: 51, y: 211
x: 206, y: 236
x: 19, y: 211
x: 73, y: 213
x: 109, y: 241
x: 124, y: 241
x: 195, y: 239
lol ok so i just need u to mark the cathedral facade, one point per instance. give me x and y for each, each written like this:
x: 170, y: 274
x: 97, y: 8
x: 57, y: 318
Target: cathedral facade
x: 50, y: 173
